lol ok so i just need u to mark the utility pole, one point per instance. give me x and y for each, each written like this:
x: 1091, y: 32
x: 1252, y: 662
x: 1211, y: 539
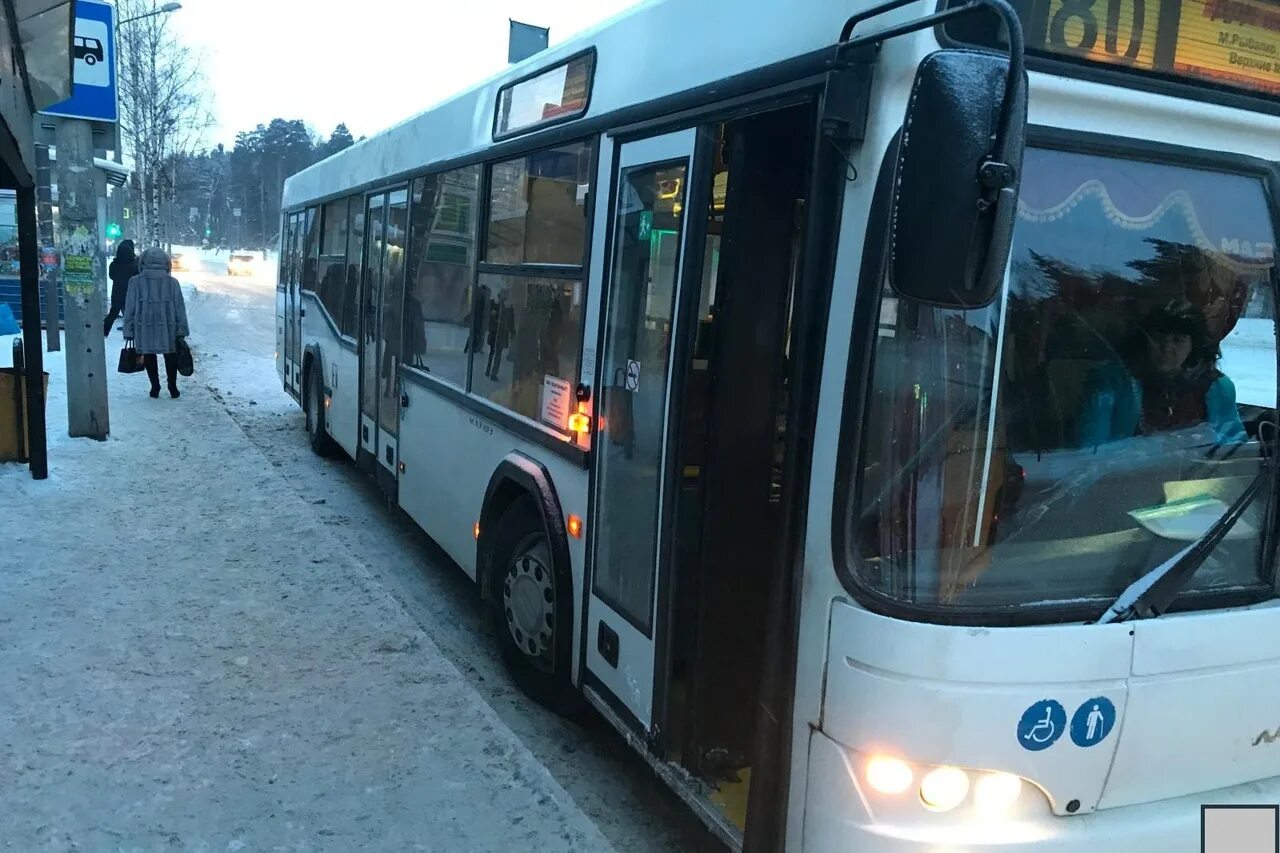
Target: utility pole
x: 83, y: 273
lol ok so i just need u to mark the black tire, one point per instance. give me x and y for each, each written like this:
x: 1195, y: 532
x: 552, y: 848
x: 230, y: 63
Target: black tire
x: 526, y: 587
x: 321, y: 442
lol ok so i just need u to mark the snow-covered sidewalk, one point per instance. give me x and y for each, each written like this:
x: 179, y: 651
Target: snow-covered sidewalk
x: 188, y: 660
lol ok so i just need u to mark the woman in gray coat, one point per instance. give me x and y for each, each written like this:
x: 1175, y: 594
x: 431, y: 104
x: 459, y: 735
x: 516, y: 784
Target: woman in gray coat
x: 155, y: 317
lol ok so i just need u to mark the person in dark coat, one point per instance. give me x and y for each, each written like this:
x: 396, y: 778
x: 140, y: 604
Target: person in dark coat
x: 123, y: 268
x: 155, y: 318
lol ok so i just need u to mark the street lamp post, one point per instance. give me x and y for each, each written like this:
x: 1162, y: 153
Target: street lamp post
x: 163, y: 10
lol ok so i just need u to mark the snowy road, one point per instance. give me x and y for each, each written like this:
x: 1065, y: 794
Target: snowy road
x: 233, y: 333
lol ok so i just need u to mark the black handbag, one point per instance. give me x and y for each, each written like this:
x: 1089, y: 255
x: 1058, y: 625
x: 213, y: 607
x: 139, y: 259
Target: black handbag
x: 186, y: 363
x: 130, y: 360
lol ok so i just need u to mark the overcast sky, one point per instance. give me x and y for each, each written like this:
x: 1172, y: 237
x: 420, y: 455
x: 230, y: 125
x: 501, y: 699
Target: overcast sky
x: 378, y: 62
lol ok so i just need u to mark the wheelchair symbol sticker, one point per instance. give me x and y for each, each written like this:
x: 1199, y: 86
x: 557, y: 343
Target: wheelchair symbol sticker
x: 1093, y: 721
x: 1041, y: 725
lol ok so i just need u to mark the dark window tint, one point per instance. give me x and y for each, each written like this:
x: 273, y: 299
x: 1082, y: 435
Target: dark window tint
x: 1053, y: 447
x: 440, y: 327
x: 333, y: 235
x: 528, y: 338
x: 355, y: 257
x: 310, y: 245
x: 333, y: 258
x: 537, y: 207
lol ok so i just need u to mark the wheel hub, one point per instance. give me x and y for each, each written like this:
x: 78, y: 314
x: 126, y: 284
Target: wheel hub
x: 528, y: 600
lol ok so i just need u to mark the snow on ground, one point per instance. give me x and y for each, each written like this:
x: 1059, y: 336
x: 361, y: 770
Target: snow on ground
x: 193, y: 661
x: 233, y: 328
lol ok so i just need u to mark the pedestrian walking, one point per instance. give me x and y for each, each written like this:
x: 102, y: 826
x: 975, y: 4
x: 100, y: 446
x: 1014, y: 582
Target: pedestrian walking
x: 123, y: 268
x: 155, y: 318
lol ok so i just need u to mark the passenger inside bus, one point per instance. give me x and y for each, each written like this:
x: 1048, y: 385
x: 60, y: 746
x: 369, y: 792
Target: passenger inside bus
x: 1172, y: 381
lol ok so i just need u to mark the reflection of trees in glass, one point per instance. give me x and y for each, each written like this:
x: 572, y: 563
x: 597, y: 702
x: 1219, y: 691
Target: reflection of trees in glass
x: 1213, y: 282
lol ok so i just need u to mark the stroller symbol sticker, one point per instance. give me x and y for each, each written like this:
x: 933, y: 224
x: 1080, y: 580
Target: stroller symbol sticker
x: 1041, y: 725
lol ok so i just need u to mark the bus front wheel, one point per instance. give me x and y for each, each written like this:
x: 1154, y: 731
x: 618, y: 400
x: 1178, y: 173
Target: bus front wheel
x: 531, y: 605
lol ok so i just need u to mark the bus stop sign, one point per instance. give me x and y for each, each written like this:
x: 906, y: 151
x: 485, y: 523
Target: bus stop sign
x: 93, y: 90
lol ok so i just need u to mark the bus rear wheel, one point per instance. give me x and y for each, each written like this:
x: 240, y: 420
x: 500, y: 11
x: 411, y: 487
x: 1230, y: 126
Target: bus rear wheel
x: 321, y: 442
x: 531, y: 606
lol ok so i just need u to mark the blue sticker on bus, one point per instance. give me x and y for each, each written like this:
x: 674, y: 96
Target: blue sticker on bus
x: 1093, y: 721
x: 1041, y: 725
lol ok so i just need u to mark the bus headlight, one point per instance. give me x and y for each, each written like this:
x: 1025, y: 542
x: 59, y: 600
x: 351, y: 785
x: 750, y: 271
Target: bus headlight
x: 996, y: 793
x: 960, y: 793
x: 944, y: 788
x: 888, y: 775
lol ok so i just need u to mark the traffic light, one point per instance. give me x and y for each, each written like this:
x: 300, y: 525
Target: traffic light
x: 208, y: 232
x: 113, y: 230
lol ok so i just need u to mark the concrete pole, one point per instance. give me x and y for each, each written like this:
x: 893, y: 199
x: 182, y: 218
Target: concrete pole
x: 83, y: 274
x: 29, y: 271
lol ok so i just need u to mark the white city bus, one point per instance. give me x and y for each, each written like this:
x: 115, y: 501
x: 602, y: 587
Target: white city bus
x: 881, y: 448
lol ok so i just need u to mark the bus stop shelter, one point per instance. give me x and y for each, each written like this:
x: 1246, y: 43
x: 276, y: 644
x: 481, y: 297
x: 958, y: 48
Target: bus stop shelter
x: 38, y: 34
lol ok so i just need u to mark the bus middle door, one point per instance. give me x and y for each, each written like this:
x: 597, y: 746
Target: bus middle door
x: 381, y: 307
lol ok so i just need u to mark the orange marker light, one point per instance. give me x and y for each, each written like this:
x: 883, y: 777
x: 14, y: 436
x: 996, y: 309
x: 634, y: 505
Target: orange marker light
x: 580, y: 421
x: 575, y: 527
x: 475, y: 530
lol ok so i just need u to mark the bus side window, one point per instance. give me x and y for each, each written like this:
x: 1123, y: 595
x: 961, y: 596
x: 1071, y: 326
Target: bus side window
x: 527, y: 321
x: 442, y: 327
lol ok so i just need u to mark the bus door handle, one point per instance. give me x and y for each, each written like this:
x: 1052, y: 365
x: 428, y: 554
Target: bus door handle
x: 404, y: 399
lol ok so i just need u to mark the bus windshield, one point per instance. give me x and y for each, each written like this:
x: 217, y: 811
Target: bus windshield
x: 1045, y: 451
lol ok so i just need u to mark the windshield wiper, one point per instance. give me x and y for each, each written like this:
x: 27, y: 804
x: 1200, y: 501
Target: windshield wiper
x: 1150, y: 595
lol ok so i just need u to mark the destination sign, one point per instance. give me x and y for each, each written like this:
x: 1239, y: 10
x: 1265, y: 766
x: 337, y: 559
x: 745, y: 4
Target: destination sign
x: 1233, y: 43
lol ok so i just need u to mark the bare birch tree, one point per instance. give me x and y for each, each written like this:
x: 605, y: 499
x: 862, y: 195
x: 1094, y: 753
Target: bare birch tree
x: 164, y: 105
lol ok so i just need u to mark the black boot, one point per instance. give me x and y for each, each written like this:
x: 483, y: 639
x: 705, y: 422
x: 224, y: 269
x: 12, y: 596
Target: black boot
x: 173, y: 391
x: 155, y: 391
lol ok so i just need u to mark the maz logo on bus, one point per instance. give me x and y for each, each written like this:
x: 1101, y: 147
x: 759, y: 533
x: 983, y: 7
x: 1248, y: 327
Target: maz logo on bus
x: 1267, y: 737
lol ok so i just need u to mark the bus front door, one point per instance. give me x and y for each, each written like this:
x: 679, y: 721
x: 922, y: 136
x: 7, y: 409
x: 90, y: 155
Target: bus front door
x: 693, y: 419
x: 651, y: 178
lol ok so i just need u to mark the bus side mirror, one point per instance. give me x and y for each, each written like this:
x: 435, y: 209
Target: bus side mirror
x: 956, y: 184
